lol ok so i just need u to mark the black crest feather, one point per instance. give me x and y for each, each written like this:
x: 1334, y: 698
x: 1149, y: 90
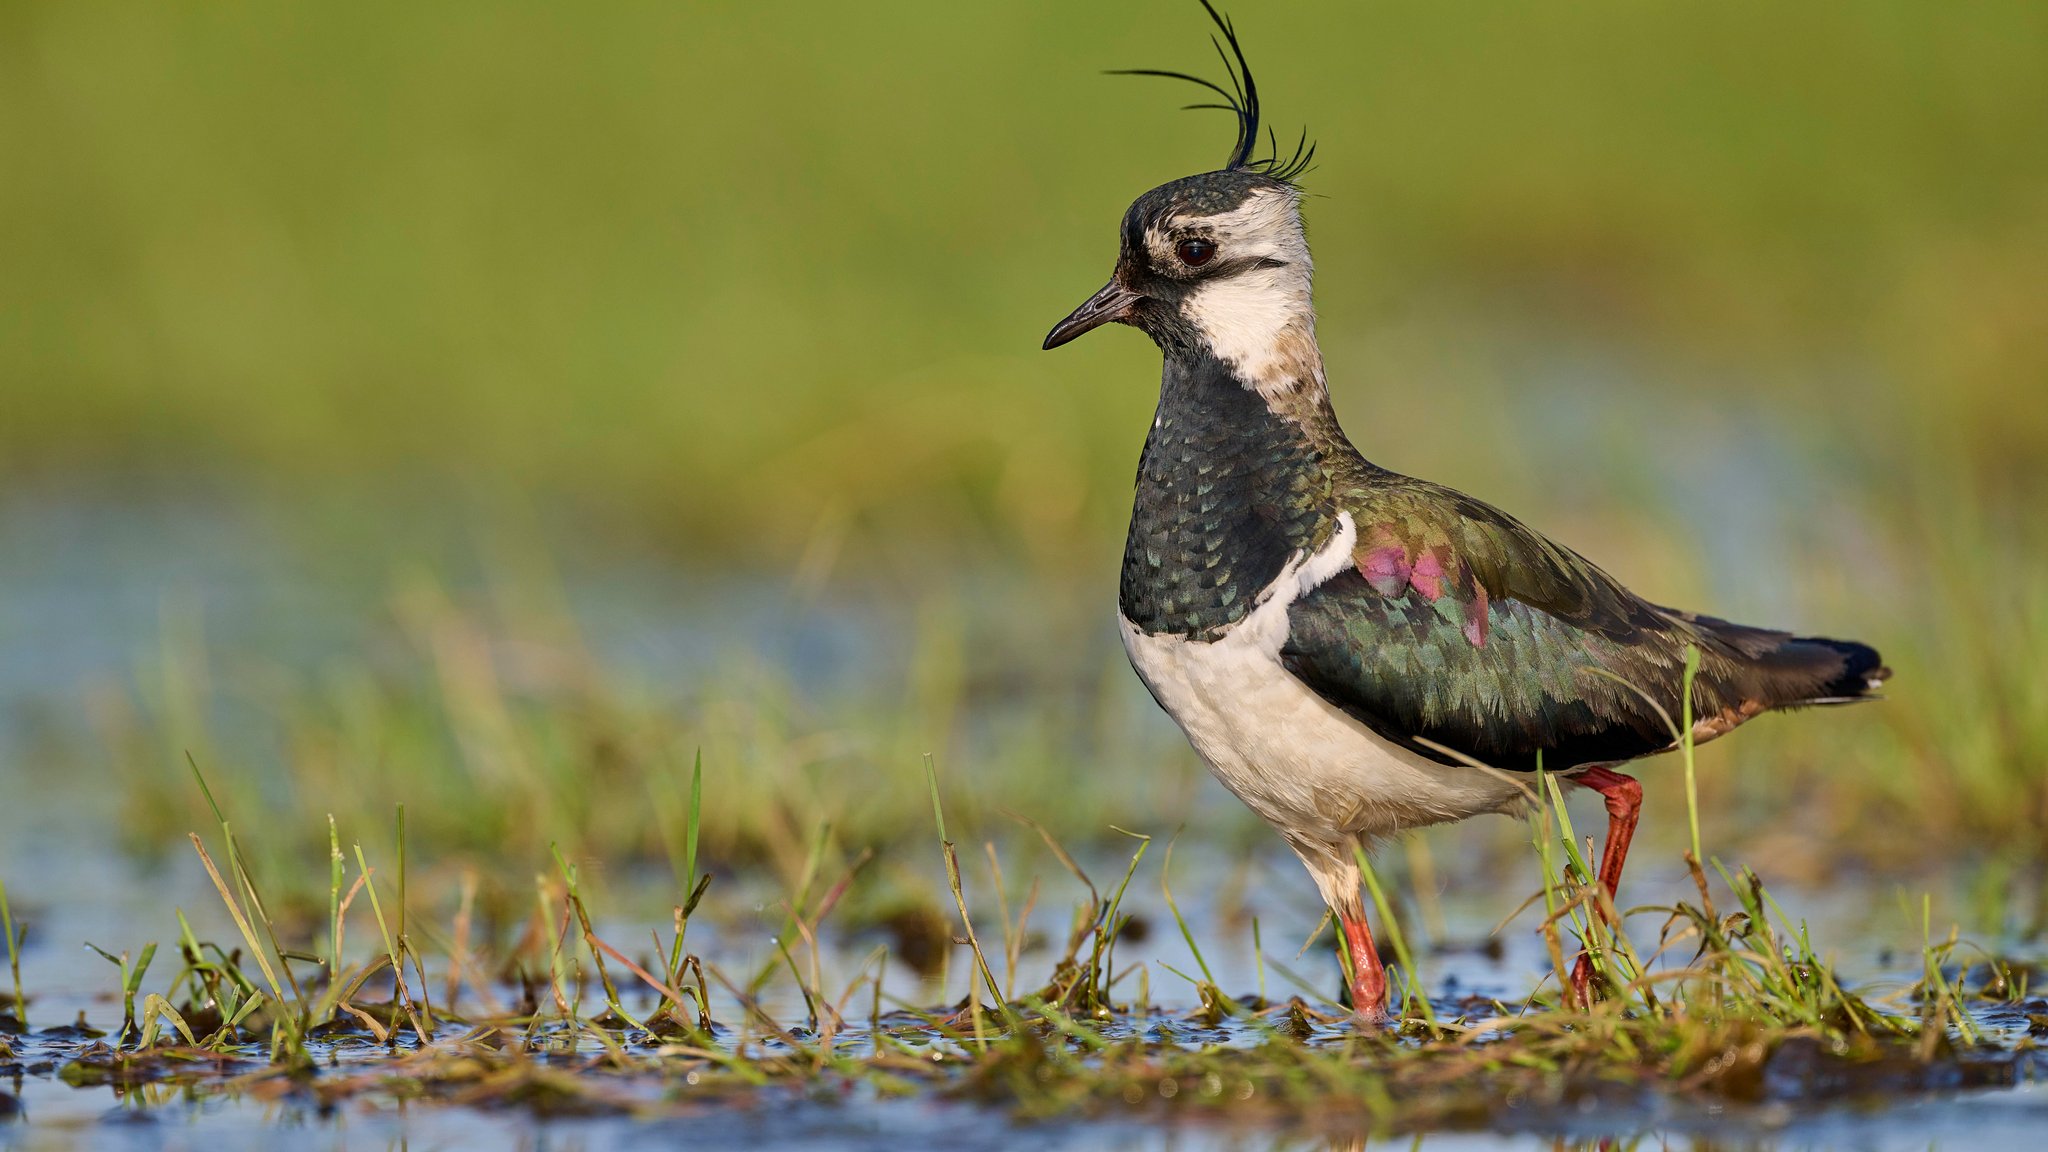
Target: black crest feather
x: 1242, y: 100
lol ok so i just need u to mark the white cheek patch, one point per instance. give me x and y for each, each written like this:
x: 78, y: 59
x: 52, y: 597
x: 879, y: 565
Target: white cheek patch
x: 1261, y: 320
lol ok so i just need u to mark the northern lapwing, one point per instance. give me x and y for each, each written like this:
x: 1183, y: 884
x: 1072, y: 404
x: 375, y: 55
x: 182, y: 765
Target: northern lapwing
x: 1342, y: 644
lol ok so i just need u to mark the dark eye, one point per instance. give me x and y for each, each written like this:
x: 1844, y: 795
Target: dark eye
x: 1195, y: 253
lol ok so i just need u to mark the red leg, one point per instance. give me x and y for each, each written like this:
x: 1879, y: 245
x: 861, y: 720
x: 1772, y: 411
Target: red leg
x: 1368, y: 979
x: 1624, y: 804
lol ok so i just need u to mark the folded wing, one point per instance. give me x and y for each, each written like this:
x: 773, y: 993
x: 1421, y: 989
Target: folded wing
x: 1459, y: 626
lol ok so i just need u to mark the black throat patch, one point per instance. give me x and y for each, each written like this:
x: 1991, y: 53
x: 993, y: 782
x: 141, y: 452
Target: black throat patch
x: 1228, y: 491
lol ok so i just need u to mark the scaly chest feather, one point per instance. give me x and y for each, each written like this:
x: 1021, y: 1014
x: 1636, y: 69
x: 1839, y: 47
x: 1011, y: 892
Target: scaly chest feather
x: 1227, y: 493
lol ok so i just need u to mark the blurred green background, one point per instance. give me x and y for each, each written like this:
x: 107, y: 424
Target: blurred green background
x: 1744, y: 300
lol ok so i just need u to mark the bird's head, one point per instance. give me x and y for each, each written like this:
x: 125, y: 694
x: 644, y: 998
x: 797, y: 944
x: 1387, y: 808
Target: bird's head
x: 1218, y: 262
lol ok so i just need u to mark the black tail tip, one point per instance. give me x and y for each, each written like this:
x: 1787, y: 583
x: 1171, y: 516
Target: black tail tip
x: 1863, y: 670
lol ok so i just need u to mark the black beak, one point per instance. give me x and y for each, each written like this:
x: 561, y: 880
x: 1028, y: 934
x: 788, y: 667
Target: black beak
x: 1113, y: 303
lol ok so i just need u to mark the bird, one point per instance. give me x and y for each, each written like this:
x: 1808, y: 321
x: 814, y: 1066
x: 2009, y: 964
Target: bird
x: 1356, y: 653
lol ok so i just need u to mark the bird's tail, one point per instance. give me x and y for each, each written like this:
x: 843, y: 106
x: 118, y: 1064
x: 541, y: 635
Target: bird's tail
x: 1857, y: 670
x: 1779, y: 670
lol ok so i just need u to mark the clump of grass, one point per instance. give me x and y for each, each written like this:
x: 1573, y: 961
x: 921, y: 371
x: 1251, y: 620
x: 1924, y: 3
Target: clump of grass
x: 958, y: 888
x: 1083, y: 985
x: 132, y: 975
x: 1745, y: 969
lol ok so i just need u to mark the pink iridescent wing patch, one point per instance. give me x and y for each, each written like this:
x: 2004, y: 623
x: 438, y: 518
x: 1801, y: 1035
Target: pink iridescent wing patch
x: 1386, y: 568
x: 1390, y: 570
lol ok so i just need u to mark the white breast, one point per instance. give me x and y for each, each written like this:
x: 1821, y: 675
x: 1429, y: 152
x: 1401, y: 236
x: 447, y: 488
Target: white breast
x: 1304, y: 765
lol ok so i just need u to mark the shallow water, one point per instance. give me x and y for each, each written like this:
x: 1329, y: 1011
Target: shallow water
x: 1948, y: 1107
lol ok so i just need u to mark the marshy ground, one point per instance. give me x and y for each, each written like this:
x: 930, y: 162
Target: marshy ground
x: 810, y: 1015
x: 1108, y: 986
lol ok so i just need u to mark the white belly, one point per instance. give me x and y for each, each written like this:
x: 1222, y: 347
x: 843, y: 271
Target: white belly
x: 1300, y: 762
x: 1309, y: 769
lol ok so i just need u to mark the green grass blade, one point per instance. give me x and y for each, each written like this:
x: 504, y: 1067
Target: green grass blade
x: 13, y: 955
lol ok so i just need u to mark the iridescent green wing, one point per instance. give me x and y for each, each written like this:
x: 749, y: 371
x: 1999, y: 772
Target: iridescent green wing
x: 1458, y: 626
